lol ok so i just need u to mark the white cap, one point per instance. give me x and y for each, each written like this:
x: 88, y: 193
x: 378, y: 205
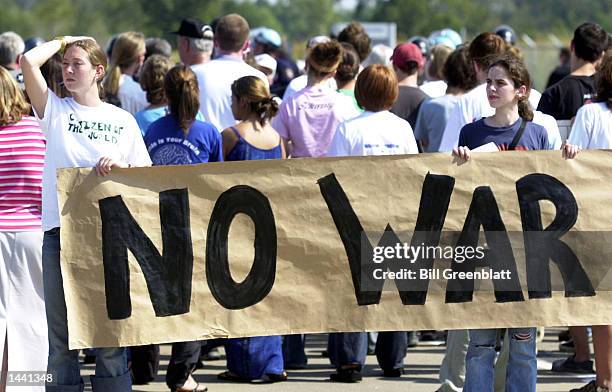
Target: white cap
x: 267, y: 61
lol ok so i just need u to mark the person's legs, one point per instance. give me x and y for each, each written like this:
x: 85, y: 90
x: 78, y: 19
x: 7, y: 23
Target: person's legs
x: 479, y: 360
x: 522, y: 372
x: 27, y: 323
x: 145, y: 363
x: 4, y: 295
x: 581, y: 343
x: 452, y: 369
x: 602, y: 344
x: 184, y: 358
x: 349, y: 350
x: 112, y: 374
x: 501, y: 362
x: 372, y: 337
x: 390, y: 352
x: 293, y: 351
x: 4, y: 370
x: 63, y: 363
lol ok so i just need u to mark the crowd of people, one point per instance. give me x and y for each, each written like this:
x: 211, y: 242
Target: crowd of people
x: 237, y: 95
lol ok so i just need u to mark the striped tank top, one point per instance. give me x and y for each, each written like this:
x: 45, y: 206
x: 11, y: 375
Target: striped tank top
x: 22, y: 156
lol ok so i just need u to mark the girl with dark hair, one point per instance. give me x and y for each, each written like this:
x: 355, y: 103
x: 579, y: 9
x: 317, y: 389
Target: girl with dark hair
x: 508, y: 91
x: 510, y: 128
x: 592, y: 129
x: 180, y: 139
x: 474, y: 105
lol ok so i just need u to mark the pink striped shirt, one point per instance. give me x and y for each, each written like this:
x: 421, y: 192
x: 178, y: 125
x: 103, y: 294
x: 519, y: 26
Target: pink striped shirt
x: 22, y: 156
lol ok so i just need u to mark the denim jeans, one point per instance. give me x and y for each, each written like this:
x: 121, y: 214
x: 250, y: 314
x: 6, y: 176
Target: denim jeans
x: 350, y: 348
x: 521, y: 373
x: 294, y: 354
x: 111, y: 363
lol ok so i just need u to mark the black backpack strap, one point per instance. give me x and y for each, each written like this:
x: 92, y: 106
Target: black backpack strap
x: 518, y: 136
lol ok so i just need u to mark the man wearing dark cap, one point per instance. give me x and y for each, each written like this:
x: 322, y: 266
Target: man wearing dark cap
x: 407, y: 62
x: 195, y: 42
x: 215, y: 78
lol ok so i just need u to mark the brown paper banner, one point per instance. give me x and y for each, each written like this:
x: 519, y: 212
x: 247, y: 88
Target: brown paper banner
x: 304, y: 283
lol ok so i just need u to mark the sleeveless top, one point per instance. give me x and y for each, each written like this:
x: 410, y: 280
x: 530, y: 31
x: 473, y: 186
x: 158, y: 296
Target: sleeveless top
x: 244, y: 151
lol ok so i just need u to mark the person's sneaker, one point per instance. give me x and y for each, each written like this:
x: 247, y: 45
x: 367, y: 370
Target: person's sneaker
x: 590, y: 387
x: 567, y: 347
x: 569, y: 365
x: 346, y: 375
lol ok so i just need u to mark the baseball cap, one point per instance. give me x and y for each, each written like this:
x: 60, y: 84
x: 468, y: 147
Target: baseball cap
x: 403, y: 53
x: 270, y: 37
x: 194, y: 28
x: 267, y: 61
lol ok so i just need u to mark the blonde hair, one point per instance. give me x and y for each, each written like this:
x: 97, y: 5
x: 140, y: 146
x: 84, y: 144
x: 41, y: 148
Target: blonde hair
x: 257, y: 94
x: 96, y: 57
x: 125, y: 53
x: 13, y: 105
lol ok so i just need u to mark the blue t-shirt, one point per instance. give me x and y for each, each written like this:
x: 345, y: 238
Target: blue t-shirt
x: 478, y: 133
x: 146, y: 117
x: 167, y: 145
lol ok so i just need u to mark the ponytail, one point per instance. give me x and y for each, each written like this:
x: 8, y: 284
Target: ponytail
x: 525, y: 110
x: 182, y: 92
x: 257, y: 94
x: 111, y: 82
x: 125, y: 52
x: 266, y: 109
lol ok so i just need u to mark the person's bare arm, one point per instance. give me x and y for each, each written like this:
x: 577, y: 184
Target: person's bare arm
x: 228, y: 141
x: 30, y: 64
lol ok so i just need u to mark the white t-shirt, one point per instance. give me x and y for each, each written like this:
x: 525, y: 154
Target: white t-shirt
x: 215, y: 80
x: 434, y: 89
x: 133, y: 98
x: 473, y: 106
x: 592, y: 127
x: 78, y: 136
x: 373, y: 133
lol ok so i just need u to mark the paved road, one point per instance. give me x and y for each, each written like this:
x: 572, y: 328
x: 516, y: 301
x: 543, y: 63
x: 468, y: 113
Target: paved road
x: 421, y: 373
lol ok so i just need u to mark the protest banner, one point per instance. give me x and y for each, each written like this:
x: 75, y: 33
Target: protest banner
x: 164, y: 254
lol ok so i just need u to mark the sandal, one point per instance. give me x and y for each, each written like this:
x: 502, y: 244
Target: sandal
x: 198, y: 388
